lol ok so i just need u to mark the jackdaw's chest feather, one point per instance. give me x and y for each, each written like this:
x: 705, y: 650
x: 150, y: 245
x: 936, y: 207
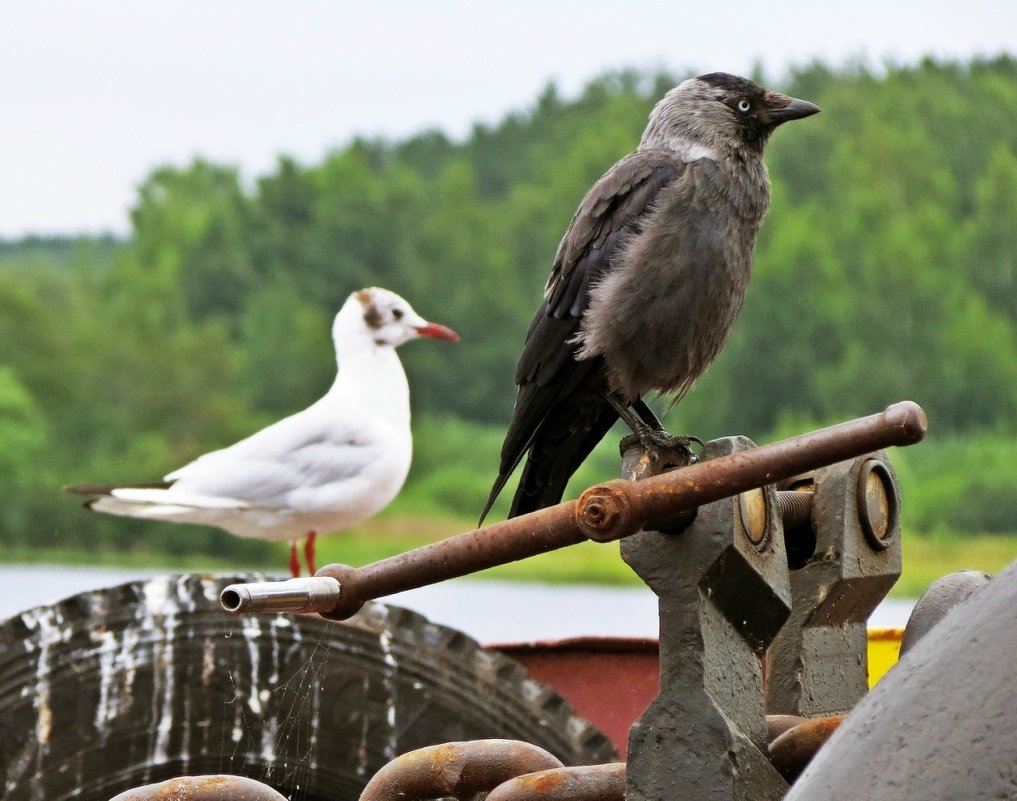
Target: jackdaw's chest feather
x: 667, y: 307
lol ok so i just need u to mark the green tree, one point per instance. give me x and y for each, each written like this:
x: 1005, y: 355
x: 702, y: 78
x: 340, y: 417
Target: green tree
x: 286, y: 351
x: 990, y: 255
x: 193, y: 224
x: 24, y: 438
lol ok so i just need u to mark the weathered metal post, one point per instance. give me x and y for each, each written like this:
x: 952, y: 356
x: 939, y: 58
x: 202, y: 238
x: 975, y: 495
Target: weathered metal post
x: 942, y: 725
x: 723, y: 592
x: 843, y: 559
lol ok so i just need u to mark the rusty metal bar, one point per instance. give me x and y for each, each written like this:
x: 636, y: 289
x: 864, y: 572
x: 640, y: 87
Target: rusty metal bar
x: 457, y: 769
x: 792, y: 750
x: 620, y: 508
x: 586, y: 783
x: 776, y: 725
x: 608, y: 511
x: 203, y: 788
x: 497, y: 544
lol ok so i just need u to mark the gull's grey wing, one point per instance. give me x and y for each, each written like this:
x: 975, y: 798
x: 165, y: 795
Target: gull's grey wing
x: 304, y: 451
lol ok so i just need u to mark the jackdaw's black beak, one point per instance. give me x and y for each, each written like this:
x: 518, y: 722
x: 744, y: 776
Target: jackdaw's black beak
x: 794, y: 110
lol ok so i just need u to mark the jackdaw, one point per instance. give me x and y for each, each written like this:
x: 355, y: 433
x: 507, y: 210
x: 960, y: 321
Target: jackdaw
x: 647, y: 281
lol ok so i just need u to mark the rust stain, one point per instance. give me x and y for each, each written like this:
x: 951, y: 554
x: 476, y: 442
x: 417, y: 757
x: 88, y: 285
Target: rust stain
x: 544, y: 781
x: 792, y: 751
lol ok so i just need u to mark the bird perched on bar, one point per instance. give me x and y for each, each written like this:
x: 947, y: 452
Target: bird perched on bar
x: 647, y: 281
x: 328, y: 467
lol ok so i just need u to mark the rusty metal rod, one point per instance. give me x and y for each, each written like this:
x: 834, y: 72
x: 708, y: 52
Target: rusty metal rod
x: 620, y: 508
x: 497, y: 544
x: 776, y: 725
x: 460, y: 770
x: 792, y: 751
x: 608, y: 511
x: 203, y: 788
x: 585, y: 783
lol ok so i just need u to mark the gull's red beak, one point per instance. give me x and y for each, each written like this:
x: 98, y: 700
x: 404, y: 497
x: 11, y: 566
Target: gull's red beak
x: 436, y: 331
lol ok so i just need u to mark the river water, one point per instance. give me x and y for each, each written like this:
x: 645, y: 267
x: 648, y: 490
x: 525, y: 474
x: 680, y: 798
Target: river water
x: 489, y: 611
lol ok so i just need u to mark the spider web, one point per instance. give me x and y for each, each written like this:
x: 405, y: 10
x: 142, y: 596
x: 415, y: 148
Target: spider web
x: 274, y: 713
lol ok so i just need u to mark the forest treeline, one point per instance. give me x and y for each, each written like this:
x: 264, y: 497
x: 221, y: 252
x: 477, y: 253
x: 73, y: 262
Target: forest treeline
x: 885, y: 270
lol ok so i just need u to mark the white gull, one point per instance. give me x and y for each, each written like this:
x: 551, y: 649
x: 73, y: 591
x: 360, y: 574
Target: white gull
x: 328, y: 467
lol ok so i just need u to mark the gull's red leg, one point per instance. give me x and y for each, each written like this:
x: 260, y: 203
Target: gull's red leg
x: 294, y: 560
x: 309, y: 552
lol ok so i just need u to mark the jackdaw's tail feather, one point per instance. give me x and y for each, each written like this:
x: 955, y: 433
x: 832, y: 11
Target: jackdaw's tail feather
x: 557, y: 451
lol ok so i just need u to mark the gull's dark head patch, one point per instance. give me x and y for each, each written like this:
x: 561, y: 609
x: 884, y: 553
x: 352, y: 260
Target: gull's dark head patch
x: 371, y: 314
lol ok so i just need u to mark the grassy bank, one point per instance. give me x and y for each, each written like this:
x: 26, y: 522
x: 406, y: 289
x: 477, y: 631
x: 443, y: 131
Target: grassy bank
x: 926, y: 558
x: 959, y: 509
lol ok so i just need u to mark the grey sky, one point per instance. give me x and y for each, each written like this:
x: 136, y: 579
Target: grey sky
x: 95, y: 94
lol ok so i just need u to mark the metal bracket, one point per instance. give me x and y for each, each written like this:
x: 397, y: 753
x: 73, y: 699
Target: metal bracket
x: 724, y: 593
x: 843, y: 559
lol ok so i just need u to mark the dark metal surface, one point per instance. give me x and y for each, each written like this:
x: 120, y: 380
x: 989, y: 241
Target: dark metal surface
x: 942, y: 724
x: 203, y: 788
x: 843, y: 562
x: 589, y: 783
x: 723, y: 594
x: 615, y: 509
x: 581, y: 668
x: 941, y: 596
x: 460, y: 770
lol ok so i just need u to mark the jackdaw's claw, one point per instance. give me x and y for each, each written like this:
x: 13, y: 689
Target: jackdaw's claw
x: 669, y: 449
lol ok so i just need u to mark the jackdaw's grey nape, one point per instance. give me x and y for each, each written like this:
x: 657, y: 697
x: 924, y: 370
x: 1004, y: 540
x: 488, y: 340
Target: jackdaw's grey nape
x: 647, y: 281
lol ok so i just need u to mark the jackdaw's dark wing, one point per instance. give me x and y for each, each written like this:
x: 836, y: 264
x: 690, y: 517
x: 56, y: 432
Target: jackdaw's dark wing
x: 560, y: 412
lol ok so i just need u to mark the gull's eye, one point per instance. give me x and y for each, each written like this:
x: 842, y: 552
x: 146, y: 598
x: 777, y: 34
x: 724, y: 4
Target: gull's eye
x: 744, y: 105
x: 397, y: 313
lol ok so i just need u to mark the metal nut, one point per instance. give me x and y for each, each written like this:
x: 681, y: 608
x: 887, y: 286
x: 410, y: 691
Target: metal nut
x: 603, y: 513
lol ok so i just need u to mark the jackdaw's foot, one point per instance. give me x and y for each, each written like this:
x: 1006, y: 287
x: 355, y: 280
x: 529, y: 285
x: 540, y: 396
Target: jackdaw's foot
x: 658, y: 439
x: 653, y: 451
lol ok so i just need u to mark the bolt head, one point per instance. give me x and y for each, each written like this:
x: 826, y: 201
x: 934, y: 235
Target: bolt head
x: 602, y: 512
x: 878, y: 504
x: 754, y: 516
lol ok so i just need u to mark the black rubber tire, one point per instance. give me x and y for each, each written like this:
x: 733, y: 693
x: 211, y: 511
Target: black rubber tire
x: 120, y: 687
